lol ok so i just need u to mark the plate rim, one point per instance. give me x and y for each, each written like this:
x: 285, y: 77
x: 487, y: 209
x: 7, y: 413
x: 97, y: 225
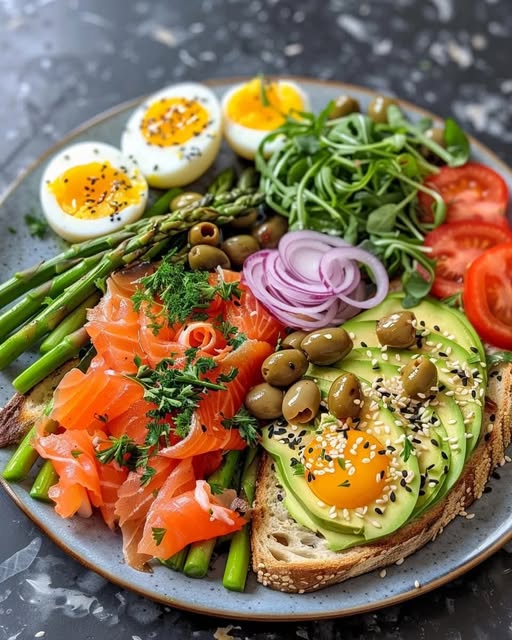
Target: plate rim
x: 375, y: 605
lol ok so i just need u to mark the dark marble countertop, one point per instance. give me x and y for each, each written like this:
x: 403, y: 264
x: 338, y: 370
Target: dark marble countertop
x: 63, y: 61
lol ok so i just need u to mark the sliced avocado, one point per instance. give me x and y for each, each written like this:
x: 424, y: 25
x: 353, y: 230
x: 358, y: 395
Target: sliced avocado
x: 442, y: 321
x: 335, y: 540
x: 467, y: 391
x: 375, y: 520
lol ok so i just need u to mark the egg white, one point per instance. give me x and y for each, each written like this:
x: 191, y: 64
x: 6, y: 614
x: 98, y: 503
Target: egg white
x: 175, y: 166
x: 245, y: 141
x: 76, y: 229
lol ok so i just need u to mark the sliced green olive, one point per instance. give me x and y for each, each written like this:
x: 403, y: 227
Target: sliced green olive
x: 344, y: 106
x: 184, y: 200
x: 285, y: 367
x: 345, y: 397
x: 419, y: 376
x: 240, y: 247
x: 206, y: 257
x: 204, y: 233
x: 378, y: 108
x: 327, y: 346
x: 398, y: 330
x: 270, y: 231
x: 264, y: 401
x: 293, y: 340
x: 301, y: 402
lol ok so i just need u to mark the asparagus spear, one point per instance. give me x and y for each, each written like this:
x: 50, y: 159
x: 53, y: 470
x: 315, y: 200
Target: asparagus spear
x: 151, y: 233
x: 45, y: 479
x: 71, y: 323
x: 223, y: 182
x: 177, y: 561
x: 200, y: 553
x: 67, y: 349
x: 161, y: 205
x: 23, y: 459
x: 237, y: 563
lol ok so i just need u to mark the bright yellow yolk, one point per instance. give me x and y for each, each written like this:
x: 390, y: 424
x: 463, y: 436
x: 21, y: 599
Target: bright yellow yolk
x: 173, y: 121
x: 346, y: 469
x: 95, y: 190
x: 247, y: 108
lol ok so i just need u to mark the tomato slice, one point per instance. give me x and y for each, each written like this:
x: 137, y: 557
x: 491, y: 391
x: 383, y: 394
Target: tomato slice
x: 472, y: 191
x: 487, y: 295
x: 455, y: 245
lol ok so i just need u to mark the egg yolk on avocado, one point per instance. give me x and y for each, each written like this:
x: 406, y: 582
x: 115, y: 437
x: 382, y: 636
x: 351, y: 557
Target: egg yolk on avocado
x: 263, y: 106
x: 173, y: 121
x: 346, y: 469
x: 95, y: 190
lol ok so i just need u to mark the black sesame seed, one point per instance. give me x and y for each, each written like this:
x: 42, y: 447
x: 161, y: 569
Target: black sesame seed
x: 363, y: 344
x: 403, y: 483
x: 392, y: 496
x: 444, y: 455
x: 379, y: 511
x: 474, y: 349
x: 436, y: 327
x: 366, y: 445
x: 487, y: 489
x: 434, y: 442
x: 496, y: 475
x: 421, y: 492
x: 408, y: 489
x: 492, y: 417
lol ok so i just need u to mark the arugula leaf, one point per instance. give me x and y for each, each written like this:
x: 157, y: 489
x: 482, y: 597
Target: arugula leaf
x: 457, y: 143
x: 382, y: 220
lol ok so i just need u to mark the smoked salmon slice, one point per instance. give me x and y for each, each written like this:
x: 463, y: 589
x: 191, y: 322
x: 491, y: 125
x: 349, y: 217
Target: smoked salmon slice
x: 182, y: 514
x: 207, y: 433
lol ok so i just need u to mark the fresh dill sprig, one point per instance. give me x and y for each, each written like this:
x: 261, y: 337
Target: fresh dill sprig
x: 180, y: 291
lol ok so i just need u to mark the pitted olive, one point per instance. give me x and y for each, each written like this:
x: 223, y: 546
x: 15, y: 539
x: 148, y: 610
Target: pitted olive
x: 378, y: 108
x: 301, y: 402
x: 204, y: 233
x: 326, y: 346
x: 345, y: 397
x: 206, y: 257
x: 397, y: 330
x: 264, y: 401
x: 293, y: 340
x: 185, y: 199
x: 419, y: 376
x: 285, y: 367
x: 238, y: 248
x: 270, y: 231
x: 344, y: 106
x: 246, y: 220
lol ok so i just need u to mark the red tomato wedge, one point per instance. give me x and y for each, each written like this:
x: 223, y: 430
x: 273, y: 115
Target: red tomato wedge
x: 454, y: 247
x: 472, y: 191
x: 488, y: 295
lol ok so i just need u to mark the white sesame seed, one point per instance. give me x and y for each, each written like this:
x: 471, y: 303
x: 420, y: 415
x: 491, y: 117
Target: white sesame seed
x: 417, y: 584
x: 375, y: 524
x: 470, y: 516
x: 400, y: 561
x: 383, y: 573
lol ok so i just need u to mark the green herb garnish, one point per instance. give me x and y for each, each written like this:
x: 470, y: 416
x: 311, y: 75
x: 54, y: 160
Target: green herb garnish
x: 247, y: 425
x: 37, y: 227
x: 407, y: 450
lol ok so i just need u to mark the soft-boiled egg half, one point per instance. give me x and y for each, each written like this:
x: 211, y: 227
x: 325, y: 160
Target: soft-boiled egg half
x: 91, y: 189
x: 252, y: 110
x: 175, y: 134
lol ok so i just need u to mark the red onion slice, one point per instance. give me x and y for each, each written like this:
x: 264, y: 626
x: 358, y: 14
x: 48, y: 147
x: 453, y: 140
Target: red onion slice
x: 314, y: 280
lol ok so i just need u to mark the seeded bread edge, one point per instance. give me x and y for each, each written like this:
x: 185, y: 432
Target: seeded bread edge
x: 288, y: 557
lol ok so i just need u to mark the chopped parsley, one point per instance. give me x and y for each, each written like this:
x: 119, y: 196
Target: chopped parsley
x: 158, y: 534
x: 407, y: 450
x: 37, y: 227
x: 247, y: 425
x: 345, y: 484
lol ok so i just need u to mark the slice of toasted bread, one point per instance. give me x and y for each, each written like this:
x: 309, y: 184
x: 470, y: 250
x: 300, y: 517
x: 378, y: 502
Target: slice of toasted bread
x: 22, y: 410
x: 288, y: 557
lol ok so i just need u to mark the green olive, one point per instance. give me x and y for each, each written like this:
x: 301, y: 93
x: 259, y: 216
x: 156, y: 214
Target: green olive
x: 246, y: 220
x: 204, y: 233
x: 238, y: 248
x: 436, y: 134
x: 293, y: 340
x: 345, y: 397
x: 378, y: 108
x: 344, y: 106
x: 184, y: 200
x: 397, y: 330
x: 270, y: 231
x: 301, y: 402
x: 326, y: 346
x: 285, y: 367
x: 206, y: 257
x: 264, y: 401
x: 418, y: 377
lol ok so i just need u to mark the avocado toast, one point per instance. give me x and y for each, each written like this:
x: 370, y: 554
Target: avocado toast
x: 440, y: 449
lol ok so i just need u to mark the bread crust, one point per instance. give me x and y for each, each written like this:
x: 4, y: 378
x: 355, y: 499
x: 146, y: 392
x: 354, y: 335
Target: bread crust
x: 283, y: 562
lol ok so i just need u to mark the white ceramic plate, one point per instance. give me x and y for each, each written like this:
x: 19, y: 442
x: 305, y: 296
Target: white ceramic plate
x: 464, y: 543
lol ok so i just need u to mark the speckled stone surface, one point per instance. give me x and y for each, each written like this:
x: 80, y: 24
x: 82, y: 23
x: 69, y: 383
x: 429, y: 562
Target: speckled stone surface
x: 64, y: 61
